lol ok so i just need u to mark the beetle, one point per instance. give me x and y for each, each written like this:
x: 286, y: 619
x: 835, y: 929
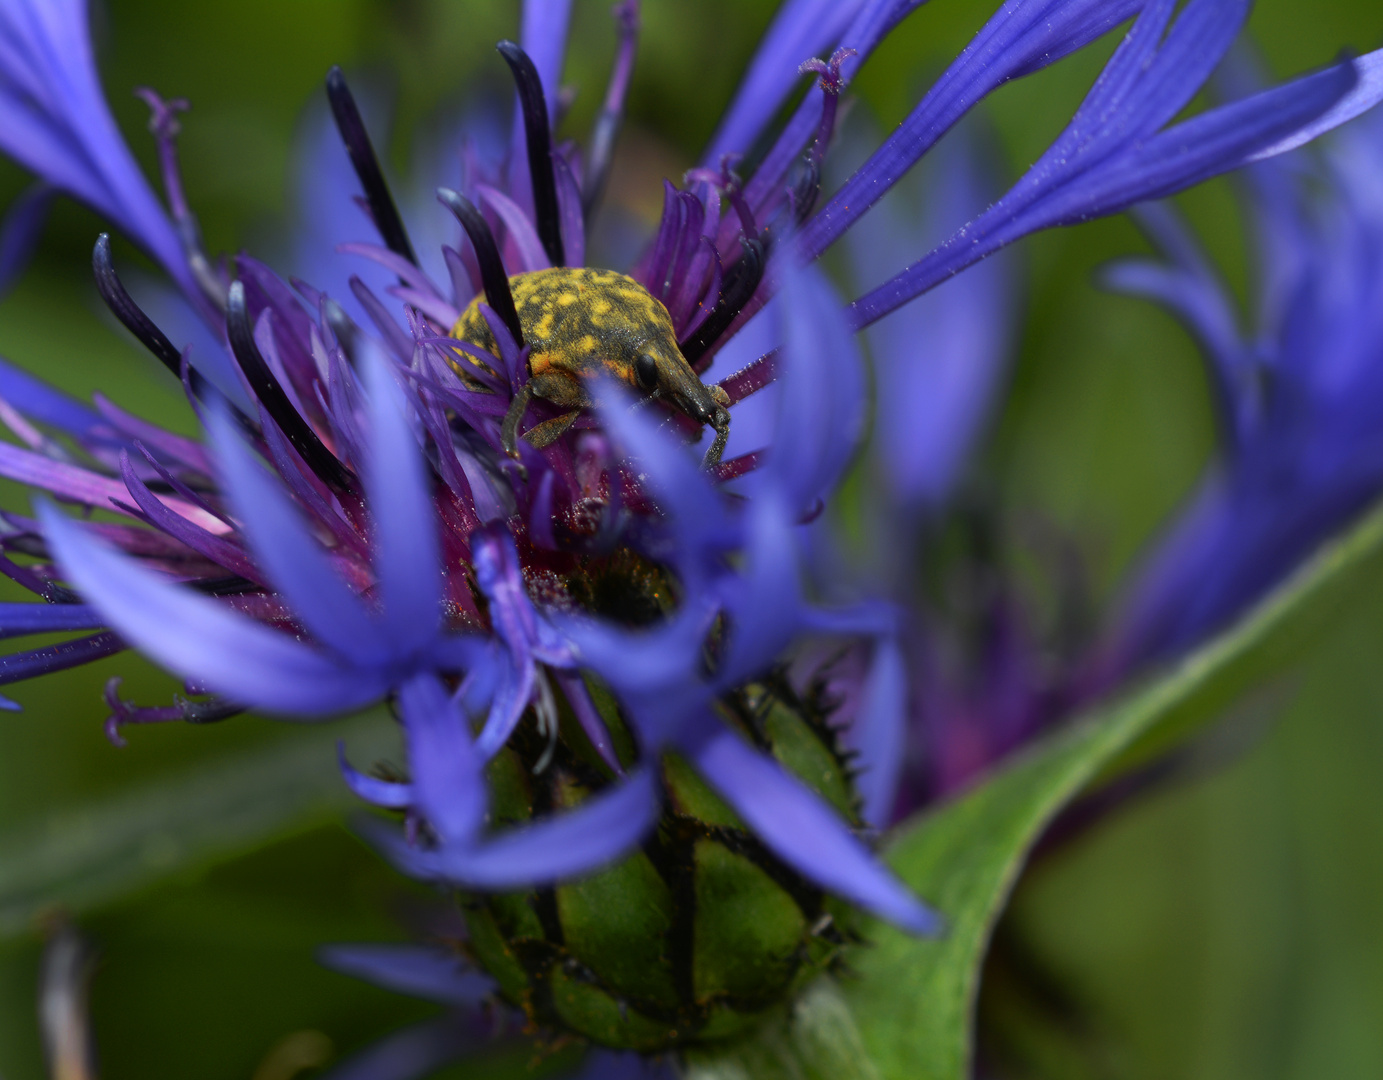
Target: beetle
x: 580, y: 324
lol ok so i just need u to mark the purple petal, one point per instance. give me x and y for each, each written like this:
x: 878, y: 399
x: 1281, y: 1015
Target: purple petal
x: 41, y: 402
x: 407, y: 558
x: 291, y: 557
x: 201, y: 639
x: 16, y: 667
x: 417, y: 970
x: 805, y: 832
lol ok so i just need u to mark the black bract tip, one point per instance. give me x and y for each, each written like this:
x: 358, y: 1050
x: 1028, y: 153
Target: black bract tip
x: 362, y: 152
x: 123, y: 307
x: 295, y: 428
x: 492, y: 275
x: 736, y: 290
x: 538, y: 139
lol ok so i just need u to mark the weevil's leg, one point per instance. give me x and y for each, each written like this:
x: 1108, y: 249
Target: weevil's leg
x: 509, y: 430
x: 720, y: 421
x: 549, y: 431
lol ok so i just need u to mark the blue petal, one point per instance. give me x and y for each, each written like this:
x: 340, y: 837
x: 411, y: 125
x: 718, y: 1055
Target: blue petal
x: 804, y: 832
x: 544, y: 38
x: 878, y: 733
x: 1367, y: 93
x: 291, y: 557
x: 448, y: 772
x: 19, y: 619
x: 939, y: 361
x: 200, y: 639
x: 55, y: 122
x: 1111, y: 154
x: 574, y: 842
x: 821, y: 397
x: 386, y: 793
x: 20, y: 231
x: 418, y: 970
x: 1022, y: 37
x: 407, y: 560
x: 801, y: 29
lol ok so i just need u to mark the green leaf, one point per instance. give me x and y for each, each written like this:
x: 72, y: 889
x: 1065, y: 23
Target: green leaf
x: 109, y: 848
x: 910, y: 1004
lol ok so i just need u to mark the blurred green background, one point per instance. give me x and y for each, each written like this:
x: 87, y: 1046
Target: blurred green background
x: 1225, y: 927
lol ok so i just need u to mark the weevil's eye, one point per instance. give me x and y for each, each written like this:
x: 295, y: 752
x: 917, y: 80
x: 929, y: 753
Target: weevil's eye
x: 646, y: 371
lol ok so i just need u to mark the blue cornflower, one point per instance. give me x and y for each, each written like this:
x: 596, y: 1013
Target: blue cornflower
x: 1296, y: 390
x: 406, y: 544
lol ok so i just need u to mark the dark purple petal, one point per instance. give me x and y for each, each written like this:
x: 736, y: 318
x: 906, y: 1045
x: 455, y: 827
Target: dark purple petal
x: 418, y: 970
x: 804, y: 832
x: 201, y: 639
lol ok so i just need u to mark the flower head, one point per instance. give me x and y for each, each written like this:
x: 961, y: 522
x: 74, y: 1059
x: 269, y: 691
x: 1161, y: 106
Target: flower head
x: 453, y: 504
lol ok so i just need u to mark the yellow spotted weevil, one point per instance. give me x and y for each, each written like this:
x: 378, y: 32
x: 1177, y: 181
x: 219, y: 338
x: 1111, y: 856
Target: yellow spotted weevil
x: 583, y: 324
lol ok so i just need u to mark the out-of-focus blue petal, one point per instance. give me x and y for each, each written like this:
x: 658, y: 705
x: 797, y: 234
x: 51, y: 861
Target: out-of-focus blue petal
x: 543, y: 36
x: 1191, y: 289
x: 939, y: 360
x: 878, y: 731
x: 597, y: 832
x: 412, y: 1053
x: 200, y: 639
x: 448, y: 772
x: 804, y: 832
x: 20, y: 230
x: 55, y: 122
x: 821, y: 403
x: 764, y: 603
x: 387, y: 793
x: 291, y: 557
x: 407, y: 559
x: 419, y: 970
